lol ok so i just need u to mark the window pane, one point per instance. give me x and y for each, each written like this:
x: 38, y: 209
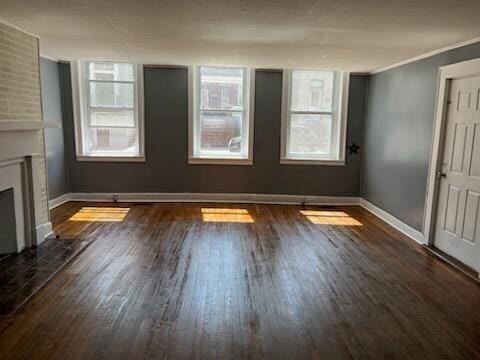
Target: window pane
x: 100, y: 117
x: 312, y: 90
x: 111, y: 71
x: 221, y: 88
x: 111, y: 94
x: 310, y: 134
x: 221, y: 131
x: 120, y: 140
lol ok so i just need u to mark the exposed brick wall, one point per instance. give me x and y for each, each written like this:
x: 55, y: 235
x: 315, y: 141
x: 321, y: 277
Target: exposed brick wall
x: 20, y: 91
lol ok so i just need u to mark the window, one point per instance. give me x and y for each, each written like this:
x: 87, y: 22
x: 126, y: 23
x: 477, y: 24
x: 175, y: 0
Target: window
x: 220, y: 124
x: 108, y: 102
x: 314, y: 117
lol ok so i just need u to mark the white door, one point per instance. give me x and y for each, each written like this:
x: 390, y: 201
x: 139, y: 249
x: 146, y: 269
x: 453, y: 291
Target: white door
x: 457, y: 229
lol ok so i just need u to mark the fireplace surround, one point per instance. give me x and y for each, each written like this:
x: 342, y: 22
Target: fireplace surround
x: 19, y: 171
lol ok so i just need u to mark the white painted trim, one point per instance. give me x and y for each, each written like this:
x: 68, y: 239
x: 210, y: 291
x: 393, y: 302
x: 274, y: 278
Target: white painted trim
x: 251, y: 112
x: 250, y: 199
x: 343, y: 103
x: 94, y: 158
x: 286, y: 85
x: 312, y: 162
x: 78, y: 81
x: 393, y: 221
x: 446, y: 73
x: 219, y: 161
x: 43, y: 231
x: 48, y: 57
x: 213, y: 197
x: 249, y: 115
x: 342, y: 82
x: 140, y: 102
x: 426, y: 55
x: 62, y: 199
x: 192, y: 104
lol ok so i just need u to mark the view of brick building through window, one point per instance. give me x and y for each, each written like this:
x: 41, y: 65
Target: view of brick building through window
x: 221, y: 109
x: 111, y: 125
x: 311, y: 107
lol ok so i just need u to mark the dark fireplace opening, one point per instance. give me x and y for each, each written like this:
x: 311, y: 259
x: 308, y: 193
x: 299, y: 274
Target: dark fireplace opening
x: 8, y: 227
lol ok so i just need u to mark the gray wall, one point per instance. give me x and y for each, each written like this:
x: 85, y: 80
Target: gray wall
x: 399, y: 127
x: 166, y: 143
x: 54, y: 142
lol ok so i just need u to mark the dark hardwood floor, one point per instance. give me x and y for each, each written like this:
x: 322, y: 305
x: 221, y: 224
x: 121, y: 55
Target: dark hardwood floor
x: 180, y: 281
x: 23, y: 274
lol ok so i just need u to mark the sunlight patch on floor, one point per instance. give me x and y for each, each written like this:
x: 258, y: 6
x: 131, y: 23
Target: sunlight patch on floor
x: 325, y: 217
x: 106, y: 214
x: 226, y: 215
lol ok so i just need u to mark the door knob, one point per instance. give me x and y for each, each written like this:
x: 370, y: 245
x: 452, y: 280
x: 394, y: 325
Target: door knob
x: 441, y: 174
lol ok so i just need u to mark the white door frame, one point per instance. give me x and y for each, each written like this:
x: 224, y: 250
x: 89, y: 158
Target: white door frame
x: 447, y: 73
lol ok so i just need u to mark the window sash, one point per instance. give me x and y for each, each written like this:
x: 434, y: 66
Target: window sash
x: 220, y: 111
x: 88, y: 81
x: 310, y: 155
x: 110, y: 108
x: 111, y: 81
x: 197, y: 152
x: 114, y: 108
x: 312, y: 112
x: 337, y: 129
x: 84, y: 111
x: 298, y: 155
x: 221, y: 154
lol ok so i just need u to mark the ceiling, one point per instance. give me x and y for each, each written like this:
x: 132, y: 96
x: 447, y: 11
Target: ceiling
x: 354, y: 35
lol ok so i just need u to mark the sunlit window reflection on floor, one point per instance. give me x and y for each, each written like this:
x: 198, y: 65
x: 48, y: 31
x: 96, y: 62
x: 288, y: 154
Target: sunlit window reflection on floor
x: 334, y: 217
x: 226, y: 215
x: 107, y: 214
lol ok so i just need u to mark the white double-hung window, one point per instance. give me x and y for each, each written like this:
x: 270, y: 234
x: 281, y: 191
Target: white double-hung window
x: 220, y: 120
x: 314, y: 117
x: 108, y: 108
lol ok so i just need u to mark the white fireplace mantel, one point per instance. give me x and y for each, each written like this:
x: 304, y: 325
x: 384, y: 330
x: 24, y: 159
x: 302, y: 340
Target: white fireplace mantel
x: 19, y: 152
x: 24, y: 125
x: 20, y: 138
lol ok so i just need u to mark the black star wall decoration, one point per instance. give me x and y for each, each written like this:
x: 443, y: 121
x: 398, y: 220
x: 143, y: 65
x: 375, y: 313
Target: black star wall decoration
x: 353, y: 149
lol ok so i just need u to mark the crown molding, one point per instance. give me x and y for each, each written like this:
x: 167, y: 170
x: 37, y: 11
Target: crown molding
x: 426, y: 55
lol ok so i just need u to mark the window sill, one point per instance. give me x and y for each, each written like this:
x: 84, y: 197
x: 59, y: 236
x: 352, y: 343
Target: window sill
x: 289, y: 161
x: 218, y: 161
x: 97, y: 158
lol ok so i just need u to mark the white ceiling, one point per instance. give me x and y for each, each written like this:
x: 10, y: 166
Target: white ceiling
x: 354, y: 35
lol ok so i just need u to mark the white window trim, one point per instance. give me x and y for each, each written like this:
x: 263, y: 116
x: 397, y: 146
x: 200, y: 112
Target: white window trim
x: 340, y: 107
x: 193, y: 118
x: 79, y: 112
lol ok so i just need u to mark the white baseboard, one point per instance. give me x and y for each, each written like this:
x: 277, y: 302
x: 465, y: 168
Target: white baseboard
x: 393, y: 221
x: 62, y: 199
x: 43, y: 231
x: 212, y: 197
x: 245, y: 199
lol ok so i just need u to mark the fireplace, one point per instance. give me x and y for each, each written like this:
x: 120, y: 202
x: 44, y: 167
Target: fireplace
x: 22, y: 207
x: 22, y: 150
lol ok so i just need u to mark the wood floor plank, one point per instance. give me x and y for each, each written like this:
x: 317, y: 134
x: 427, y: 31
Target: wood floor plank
x: 225, y: 281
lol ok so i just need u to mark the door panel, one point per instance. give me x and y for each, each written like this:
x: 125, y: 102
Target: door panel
x: 451, y: 210
x: 471, y: 216
x: 464, y: 100
x: 475, y: 162
x: 456, y: 229
x: 458, y: 147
